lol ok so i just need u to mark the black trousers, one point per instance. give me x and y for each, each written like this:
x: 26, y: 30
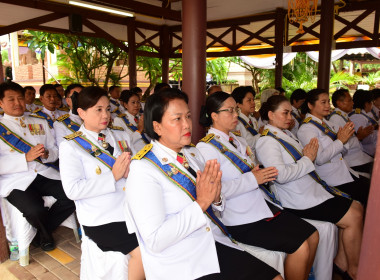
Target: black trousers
x: 31, y: 205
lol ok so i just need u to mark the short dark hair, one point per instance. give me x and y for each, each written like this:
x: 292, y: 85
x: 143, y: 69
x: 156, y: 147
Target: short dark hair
x: 297, y: 95
x: 70, y: 87
x: 311, y: 97
x: 46, y: 87
x: 29, y: 88
x: 112, y: 88
x: 280, y: 89
x: 240, y: 92
x: 156, y: 105
x: 361, y: 97
x: 271, y: 105
x: 89, y: 96
x: 127, y: 94
x: 338, y: 95
x: 136, y: 89
x: 213, y: 103
x: 58, y: 85
x: 375, y: 93
x: 159, y: 86
x: 10, y: 86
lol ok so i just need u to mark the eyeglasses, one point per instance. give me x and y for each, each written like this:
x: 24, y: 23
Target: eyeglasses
x: 230, y: 110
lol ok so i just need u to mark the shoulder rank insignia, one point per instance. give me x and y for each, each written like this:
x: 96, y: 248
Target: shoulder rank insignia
x: 207, y: 138
x: 36, y: 116
x: 37, y: 110
x: 63, y: 117
x: 37, y: 102
x: 73, y: 135
x: 237, y: 133
x: 358, y: 111
x: 114, y: 110
x: 264, y: 133
x: 339, y: 113
x: 121, y: 115
x: 307, y: 120
x: 65, y: 109
x: 192, y: 145
x: 143, y: 152
x: 117, y: 128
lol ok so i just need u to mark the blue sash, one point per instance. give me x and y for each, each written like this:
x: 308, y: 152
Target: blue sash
x: 248, y: 126
x: 117, y: 104
x: 339, y: 114
x: 326, y: 130
x: 45, y: 116
x: 296, y: 155
x: 103, y: 156
x: 241, y: 165
x: 19, y: 144
x: 73, y: 126
x: 372, y: 121
x: 133, y: 128
x: 185, y: 183
x: 298, y: 118
x: 374, y: 115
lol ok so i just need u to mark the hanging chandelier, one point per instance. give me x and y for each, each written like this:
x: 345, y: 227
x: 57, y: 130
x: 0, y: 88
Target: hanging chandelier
x: 301, y: 11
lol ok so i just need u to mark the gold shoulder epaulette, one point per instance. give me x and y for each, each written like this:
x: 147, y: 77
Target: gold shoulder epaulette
x: 65, y: 109
x: 265, y: 132
x: 117, y: 128
x: 36, y: 116
x: 358, y: 111
x: 338, y: 112
x: 63, y: 117
x: 121, y: 115
x: 307, y: 120
x: 73, y: 135
x: 143, y: 152
x: 237, y: 133
x: 114, y: 110
x: 207, y: 138
x: 192, y: 145
x: 37, y: 110
x: 37, y: 102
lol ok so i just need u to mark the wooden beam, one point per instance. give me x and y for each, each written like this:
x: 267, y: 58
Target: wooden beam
x: 307, y: 29
x: 255, y: 35
x: 279, y: 45
x: 376, y: 27
x: 149, y: 40
x: 63, y: 31
x: 357, y: 28
x: 219, y: 39
x: 104, y: 34
x: 148, y: 54
x: 352, y: 24
x: 30, y: 23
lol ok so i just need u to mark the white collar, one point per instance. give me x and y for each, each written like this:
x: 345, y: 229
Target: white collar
x: 314, y: 118
x: 344, y: 114
x: 92, y: 134
x: 45, y: 110
x: 167, y: 150
x: 11, y: 118
x: 225, y: 137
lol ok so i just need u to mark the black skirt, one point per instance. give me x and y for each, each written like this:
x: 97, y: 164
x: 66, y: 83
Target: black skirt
x: 358, y: 189
x: 331, y: 210
x: 239, y: 265
x: 285, y: 232
x: 112, y: 237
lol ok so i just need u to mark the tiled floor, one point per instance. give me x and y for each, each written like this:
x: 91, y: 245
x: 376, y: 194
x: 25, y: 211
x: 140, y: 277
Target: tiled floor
x: 62, y: 263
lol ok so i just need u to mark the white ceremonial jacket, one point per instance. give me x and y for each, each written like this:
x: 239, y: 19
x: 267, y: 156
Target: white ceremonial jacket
x: 245, y: 202
x: 177, y: 240
x: 114, y: 107
x: 135, y: 136
x: 61, y: 130
x: 251, y: 140
x: 295, y: 188
x: 15, y: 171
x: 99, y: 199
x: 30, y: 108
x: 329, y: 164
x: 368, y: 143
x: 294, y: 130
x: 354, y: 155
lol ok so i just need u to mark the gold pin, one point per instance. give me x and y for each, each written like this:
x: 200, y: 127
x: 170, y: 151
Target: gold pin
x: 98, y: 171
x: 217, y: 136
x: 169, y: 173
x: 105, y: 145
x: 69, y: 125
x: 124, y: 189
x: 11, y: 150
x: 186, y: 165
x: 164, y: 159
x: 8, y: 132
x: 326, y: 130
x: 192, y: 154
x: 274, y: 132
x: 174, y: 171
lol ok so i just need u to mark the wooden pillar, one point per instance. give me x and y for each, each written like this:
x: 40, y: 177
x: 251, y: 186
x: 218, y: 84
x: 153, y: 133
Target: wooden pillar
x: 279, y: 45
x: 369, y: 267
x: 132, y: 54
x: 325, y: 45
x: 194, y: 23
x: 165, y: 52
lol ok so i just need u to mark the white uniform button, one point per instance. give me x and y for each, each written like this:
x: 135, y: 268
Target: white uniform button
x: 207, y: 228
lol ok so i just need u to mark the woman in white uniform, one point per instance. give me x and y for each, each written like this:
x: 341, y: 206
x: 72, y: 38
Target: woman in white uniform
x: 248, y: 127
x: 94, y: 164
x: 298, y: 185
x: 131, y: 120
x: 329, y: 163
x: 171, y: 193
x: 248, y: 216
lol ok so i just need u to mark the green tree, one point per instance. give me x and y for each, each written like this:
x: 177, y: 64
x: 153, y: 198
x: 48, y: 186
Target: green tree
x: 85, y: 59
x: 218, y: 68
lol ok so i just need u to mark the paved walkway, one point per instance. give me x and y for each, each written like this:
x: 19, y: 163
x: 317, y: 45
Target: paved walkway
x: 61, y: 263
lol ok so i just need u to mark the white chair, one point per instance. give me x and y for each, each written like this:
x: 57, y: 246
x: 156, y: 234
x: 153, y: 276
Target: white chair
x: 18, y: 229
x: 99, y: 265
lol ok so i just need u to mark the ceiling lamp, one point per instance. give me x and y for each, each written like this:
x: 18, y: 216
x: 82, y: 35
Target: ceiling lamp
x: 101, y: 8
x: 301, y: 11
